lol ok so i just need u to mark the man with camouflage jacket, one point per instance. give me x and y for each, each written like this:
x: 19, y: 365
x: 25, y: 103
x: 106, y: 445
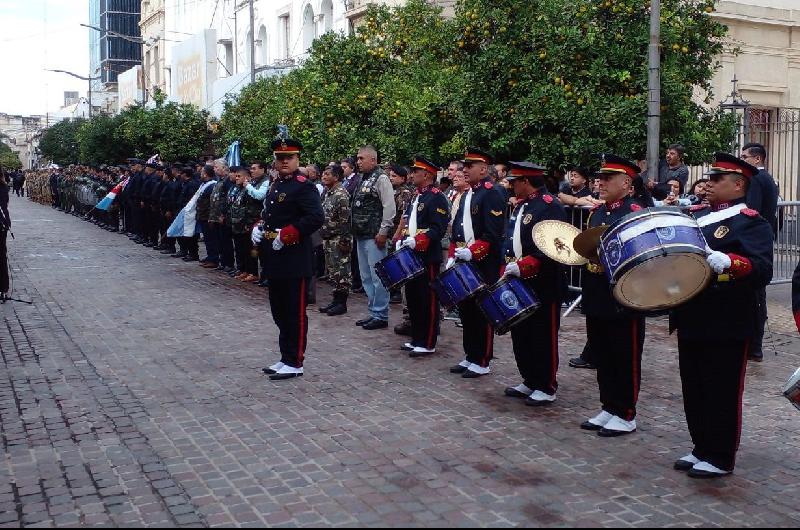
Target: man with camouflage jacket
x: 337, y: 240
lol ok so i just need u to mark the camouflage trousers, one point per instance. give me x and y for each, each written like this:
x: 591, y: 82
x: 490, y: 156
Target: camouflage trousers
x: 337, y: 262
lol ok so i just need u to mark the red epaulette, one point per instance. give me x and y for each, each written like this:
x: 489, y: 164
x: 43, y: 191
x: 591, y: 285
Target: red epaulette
x: 547, y: 198
x: 697, y: 207
x: 749, y: 212
x: 488, y: 185
x: 436, y: 190
x: 301, y: 178
x: 635, y: 207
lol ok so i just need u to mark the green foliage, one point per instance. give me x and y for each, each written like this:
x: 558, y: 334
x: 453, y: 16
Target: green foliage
x: 100, y: 141
x: 384, y: 85
x: 549, y: 80
x: 175, y: 131
x: 59, y: 143
x: 559, y: 80
x: 8, y: 158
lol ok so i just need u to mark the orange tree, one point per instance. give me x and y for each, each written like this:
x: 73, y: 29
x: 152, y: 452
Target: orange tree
x: 384, y: 85
x: 558, y: 80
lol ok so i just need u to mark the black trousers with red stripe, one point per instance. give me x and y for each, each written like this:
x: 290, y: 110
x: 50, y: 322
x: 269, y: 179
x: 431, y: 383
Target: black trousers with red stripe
x: 712, y: 376
x: 287, y: 301
x: 478, y: 334
x: 535, y: 343
x: 617, y: 345
x: 423, y: 308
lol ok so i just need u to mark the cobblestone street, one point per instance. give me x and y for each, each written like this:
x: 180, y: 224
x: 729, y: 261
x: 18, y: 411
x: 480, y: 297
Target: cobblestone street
x: 131, y: 395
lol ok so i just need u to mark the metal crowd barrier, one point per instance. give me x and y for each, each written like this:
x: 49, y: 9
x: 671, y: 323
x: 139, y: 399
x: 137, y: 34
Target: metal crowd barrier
x: 787, y: 242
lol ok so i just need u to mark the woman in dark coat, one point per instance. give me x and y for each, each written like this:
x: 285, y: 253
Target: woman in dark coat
x: 5, y: 226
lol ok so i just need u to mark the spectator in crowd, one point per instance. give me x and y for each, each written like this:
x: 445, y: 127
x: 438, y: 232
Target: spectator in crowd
x: 351, y: 182
x: 338, y: 242
x: 502, y: 172
x: 762, y: 196
x: 671, y: 167
x: 189, y: 185
x: 578, y: 186
x: 257, y: 187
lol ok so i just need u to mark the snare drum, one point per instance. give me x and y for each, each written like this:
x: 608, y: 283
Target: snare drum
x: 655, y: 259
x: 507, y: 303
x: 397, y: 269
x: 457, y: 284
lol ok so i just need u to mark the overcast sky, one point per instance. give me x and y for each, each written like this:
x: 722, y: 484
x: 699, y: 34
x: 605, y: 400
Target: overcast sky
x: 39, y: 34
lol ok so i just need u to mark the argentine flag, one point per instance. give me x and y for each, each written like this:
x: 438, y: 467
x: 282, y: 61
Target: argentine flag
x: 105, y: 204
x: 185, y: 223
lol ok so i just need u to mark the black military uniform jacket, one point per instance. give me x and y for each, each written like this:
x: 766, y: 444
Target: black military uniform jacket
x: 291, y: 201
x: 432, y: 220
x: 169, y: 195
x: 187, y: 191
x: 135, y: 187
x: 549, y: 283
x: 148, y: 185
x: 727, y: 308
x: 598, y: 300
x: 487, y: 210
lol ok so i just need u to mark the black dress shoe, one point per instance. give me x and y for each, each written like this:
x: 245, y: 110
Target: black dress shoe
x: 179, y: 255
x: 375, y: 323
x: 220, y: 267
x: 363, y: 321
x: 613, y: 433
x: 168, y: 251
x: 458, y: 369
x: 469, y: 374
x: 263, y: 283
x: 580, y: 362
x: 756, y: 356
x: 683, y: 465
x: 190, y: 258
x: 589, y: 426
x: 513, y: 392
x: 281, y: 377
x: 324, y: 309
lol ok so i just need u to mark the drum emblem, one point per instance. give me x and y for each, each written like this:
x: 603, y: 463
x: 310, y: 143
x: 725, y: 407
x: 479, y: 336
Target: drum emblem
x: 509, y: 300
x: 614, y: 253
x: 666, y: 233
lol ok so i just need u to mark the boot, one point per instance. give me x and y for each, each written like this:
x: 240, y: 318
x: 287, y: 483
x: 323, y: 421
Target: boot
x: 325, y: 309
x: 339, y: 306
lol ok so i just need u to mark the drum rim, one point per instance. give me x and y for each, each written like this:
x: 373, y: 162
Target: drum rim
x: 380, y: 269
x: 436, y: 284
x: 672, y: 248
x: 516, y: 319
x: 703, y: 285
x: 645, y: 212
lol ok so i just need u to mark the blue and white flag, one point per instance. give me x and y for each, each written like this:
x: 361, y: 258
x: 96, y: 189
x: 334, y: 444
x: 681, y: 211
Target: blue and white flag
x: 185, y: 223
x: 233, y: 155
x: 109, y: 199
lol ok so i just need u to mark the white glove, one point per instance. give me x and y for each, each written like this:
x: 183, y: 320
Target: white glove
x: 410, y: 242
x: 256, y: 235
x: 512, y: 269
x: 719, y: 261
x: 464, y: 254
x: 398, y: 245
x: 450, y: 263
x: 277, y: 244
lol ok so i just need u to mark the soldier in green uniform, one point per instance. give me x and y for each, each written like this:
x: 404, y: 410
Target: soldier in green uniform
x: 337, y: 240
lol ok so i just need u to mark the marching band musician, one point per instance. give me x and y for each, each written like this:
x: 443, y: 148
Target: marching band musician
x: 477, y: 237
x: 292, y: 212
x: 715, y: 328
x: 426, y: 223
x: 535, y: 341
x: 616, y: 334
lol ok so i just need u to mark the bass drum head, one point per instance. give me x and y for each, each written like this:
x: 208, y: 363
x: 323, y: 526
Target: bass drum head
x: 663, y: 282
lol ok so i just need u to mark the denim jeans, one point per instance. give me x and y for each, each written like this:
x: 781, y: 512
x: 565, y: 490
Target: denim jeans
x: 210, y: 239
x: 368, y: 255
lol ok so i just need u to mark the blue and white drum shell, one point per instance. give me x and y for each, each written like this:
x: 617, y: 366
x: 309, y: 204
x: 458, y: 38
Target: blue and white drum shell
x: 396, y: 269
x: 655, y: 259
x: 507, y: 303
x: 459, y: 283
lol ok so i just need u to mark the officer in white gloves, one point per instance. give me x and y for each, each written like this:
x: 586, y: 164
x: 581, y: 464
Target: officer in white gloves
x: 715, y: 327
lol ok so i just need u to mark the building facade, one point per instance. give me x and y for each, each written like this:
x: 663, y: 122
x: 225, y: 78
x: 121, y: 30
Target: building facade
x: 116, y: 46
x: 153, y: 28
x: 21, y: 134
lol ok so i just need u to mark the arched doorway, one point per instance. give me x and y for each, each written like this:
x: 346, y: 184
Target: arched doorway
x: 309, y: 29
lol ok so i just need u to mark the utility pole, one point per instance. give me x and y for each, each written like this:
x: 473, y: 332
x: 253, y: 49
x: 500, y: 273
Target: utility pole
x: 89, y: 97
x: 654, y: 91
x: 252, y: 43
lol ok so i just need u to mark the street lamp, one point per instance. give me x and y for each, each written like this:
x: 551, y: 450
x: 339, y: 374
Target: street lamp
x: 737, y: 103
x: 82, y: 78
